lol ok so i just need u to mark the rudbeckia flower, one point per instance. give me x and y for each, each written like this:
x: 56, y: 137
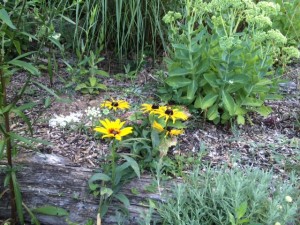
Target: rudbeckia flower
x: 149, y: 108
x: 169, y: 113
x: 115, y: 104
x: 169, y: 130
x: 113, y: 129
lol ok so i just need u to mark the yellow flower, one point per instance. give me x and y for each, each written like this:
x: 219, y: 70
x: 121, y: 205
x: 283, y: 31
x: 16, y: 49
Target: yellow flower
x: 115, y: 104
x: 169, y: 113
x: 169, y: 130
x: 149, y: 108
x: 113, y: 129
x: 288, y: 198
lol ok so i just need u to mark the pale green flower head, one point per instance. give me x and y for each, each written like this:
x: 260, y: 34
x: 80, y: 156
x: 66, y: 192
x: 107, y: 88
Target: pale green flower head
x: 226, y: 43
x: 270, y: 8
x: 172, y: 16
x: 291, y: 52
x: 260, y: 21
x: 260, y: 36
x: 277, y: 37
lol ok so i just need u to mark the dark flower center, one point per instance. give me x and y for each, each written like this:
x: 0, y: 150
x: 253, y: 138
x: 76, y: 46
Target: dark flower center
x: 169, y: 112
x: 114, y: 132
x: 115, y: 104
x: 169, y: 129
x: 154, y: 106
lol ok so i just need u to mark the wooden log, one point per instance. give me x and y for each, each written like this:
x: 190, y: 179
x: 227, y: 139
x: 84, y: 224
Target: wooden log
x: 47, y: 179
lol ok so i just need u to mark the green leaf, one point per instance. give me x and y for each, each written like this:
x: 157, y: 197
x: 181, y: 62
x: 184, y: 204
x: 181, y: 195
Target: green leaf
x: 240, y: 119
x: 29, y: 140
x: 231, y: 219
x: 18, y: 197
x: 198, y: 102
x: 263, y: 82
x: 93, y: 81
x: 80, y: 86
x: 18, y: 46
x: 2, y: 146
x: 252, y: 102
x: 96, y: 177
x: 102, y: 73
x: 263, y: 110
x: 211, y: 78
x: 57, y: 43
x: 24, y: 118
x: 213, y: 113
x: 178, y: 72
x: 241, y: 210
x: 155, y: 138
x: 5, y: 18
x: 122, y: 198
x: 191, y: 89
x: 228, y: 103
x: 133, y: 164
x: 177, y: 82
x: 26, y: 66
x: 47, y: 89
x: 209, y: 100
x: 51, y: 211
x: 106, y: 191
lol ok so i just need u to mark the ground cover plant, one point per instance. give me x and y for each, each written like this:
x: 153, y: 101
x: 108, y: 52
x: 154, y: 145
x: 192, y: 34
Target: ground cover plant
x: 219, y: 114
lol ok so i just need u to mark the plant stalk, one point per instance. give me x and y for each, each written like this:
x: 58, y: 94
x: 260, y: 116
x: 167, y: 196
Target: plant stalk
x: 8, y: 147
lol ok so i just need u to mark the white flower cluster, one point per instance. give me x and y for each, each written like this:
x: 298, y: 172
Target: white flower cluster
x: 93, y: 113
x: 62, y: 121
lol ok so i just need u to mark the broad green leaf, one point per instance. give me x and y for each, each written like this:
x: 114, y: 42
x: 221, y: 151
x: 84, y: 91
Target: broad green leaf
x: 5, y: 18
x: 155, y: 138
x: 57, y: 43
x: 93, y: 81
x: 240, y: 120
x: 241, y: 210
x: 209, y: 100
x: 252, y: 102
x: 51, y: 211
x: 80, y: 86
x: 97, y: 177
x: 263, y: 110
x: 133, y: 164
x: 178, y: 72
x: 26, y: 66
x: 191, y: 89
x: 18, y: 46
x: 101, y: 86
x: 263, y: 82
x: 213, y: 113
x: 29, y: 105
x: 211, y: 79
x: 102, y: 73
x: 178, y: 82
x: 18, y: 197
x: 228, y: 103
x: 198, y: 102
x: 242, y: 221
x: 122, y: 198
x: 2, y: 146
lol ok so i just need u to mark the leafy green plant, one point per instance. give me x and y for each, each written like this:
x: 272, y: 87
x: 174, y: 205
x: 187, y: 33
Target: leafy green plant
x: 84, y: 74
x: 221, y: 58
x: 213, y: 196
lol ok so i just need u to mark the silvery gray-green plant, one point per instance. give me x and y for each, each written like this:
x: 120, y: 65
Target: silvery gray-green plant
x: 221, y: 57
x: 234, y: 197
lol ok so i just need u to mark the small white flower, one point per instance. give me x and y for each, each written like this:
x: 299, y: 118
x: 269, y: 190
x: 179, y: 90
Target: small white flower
x: 230, y: 82
x: 288, y: 198
x: 277, y: 223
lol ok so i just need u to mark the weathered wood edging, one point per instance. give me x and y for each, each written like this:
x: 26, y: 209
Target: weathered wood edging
x: 54, y: 180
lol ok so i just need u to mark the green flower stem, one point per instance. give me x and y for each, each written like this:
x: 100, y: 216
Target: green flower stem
x: 113, y: 161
